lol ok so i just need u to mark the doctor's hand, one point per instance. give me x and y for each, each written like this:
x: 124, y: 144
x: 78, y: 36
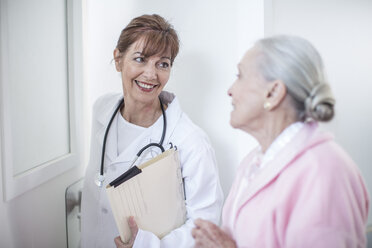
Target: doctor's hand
x: 134, y: 229
x: 207, y: 234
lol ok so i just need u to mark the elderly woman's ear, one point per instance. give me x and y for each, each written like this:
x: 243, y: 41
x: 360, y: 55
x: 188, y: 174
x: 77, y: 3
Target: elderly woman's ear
x: 276, y: 92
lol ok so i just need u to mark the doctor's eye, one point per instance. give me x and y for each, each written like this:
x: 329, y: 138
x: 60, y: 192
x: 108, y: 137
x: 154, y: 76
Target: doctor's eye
x: 139, y: 59
x: 164, y: 65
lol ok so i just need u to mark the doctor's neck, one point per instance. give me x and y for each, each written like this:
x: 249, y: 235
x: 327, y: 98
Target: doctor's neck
x: 141, y: 114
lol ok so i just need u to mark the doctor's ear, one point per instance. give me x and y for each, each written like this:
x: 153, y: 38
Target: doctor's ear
x: 117, y: 59
x: 276, y: 93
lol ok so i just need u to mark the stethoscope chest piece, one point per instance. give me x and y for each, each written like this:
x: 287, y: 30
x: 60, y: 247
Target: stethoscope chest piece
x: 99, y: 180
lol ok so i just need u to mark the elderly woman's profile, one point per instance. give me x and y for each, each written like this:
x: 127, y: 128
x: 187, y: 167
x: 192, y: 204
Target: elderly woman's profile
x: 298, y: 188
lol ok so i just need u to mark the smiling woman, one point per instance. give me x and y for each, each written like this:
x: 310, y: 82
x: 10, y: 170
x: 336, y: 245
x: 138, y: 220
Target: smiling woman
x: 143, y: 78
x: 144, y: 56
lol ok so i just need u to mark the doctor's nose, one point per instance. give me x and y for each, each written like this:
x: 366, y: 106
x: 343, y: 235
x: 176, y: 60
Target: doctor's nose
x: 150, y: 72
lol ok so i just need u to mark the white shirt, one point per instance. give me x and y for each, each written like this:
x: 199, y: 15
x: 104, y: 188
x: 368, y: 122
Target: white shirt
x: 127, y: 132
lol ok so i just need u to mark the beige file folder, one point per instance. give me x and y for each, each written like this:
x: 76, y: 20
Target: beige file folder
x: 155, y: 197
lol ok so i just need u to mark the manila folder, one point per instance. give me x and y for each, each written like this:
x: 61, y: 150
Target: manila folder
x: 155, y: 197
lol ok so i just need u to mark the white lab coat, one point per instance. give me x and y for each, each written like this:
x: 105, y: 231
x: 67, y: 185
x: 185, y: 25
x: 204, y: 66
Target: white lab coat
x: 203, y: 192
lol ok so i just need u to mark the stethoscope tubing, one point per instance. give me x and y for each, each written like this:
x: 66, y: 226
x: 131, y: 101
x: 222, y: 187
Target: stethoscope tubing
x: 160, y: 144
x: 106, y: 133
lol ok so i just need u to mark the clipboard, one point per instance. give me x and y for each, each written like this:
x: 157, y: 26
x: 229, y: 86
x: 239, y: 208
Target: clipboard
x: 153, y: 193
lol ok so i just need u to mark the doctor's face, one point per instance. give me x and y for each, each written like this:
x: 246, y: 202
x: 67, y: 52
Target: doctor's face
x: 143, y: 78
x: 248, y: 95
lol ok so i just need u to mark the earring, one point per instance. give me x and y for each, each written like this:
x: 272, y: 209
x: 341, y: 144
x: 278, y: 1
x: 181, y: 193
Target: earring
x: 267, y: 106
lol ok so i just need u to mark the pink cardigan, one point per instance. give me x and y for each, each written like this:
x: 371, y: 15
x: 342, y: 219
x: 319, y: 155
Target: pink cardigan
x: 311, y: 195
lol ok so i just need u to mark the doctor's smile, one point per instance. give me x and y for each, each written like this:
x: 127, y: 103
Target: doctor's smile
x: 145, y: 86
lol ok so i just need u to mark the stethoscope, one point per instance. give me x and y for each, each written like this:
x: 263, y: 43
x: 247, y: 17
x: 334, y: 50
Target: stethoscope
x: 100, y: 177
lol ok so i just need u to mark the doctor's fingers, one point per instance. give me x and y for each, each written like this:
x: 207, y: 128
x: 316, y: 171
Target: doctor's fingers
x: 133, y: 228
x: 120, y: 244
x: 133, y: 225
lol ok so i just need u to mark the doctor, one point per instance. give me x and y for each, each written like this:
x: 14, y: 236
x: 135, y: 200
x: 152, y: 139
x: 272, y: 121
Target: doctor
x: 144, y: 56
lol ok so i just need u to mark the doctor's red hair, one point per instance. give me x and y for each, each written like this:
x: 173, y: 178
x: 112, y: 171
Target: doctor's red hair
x: 158, y: 36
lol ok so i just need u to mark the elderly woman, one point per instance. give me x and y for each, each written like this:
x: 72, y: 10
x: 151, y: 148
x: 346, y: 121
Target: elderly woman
x: 144, y: 56
x: 298, y: 188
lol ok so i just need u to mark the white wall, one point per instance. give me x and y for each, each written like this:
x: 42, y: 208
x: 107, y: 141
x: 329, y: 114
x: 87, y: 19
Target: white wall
x: 213, y: 36
x: 342, y: 31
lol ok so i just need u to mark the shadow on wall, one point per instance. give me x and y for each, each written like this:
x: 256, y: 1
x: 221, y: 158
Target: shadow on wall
x: 191, y: 83
x: 201, y: 88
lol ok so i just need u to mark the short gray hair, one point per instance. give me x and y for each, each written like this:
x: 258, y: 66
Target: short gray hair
x: 298, y: 64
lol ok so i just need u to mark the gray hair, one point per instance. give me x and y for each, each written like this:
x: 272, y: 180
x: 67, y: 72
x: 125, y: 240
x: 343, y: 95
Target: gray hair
x: 298, y: 64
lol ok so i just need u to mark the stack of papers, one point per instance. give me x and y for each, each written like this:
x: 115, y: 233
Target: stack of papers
x: 153, y: 193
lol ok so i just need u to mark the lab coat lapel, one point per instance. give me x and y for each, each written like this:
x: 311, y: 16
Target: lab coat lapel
x: 103, y: 119
x: 298, y: 145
